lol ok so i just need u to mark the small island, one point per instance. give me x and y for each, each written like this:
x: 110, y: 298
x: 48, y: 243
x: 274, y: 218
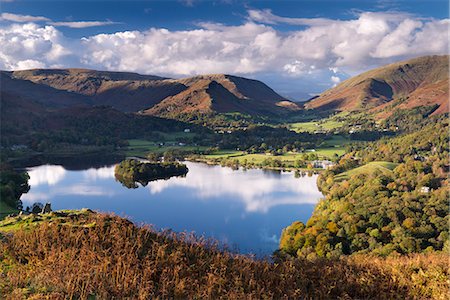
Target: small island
x: 130, y: 171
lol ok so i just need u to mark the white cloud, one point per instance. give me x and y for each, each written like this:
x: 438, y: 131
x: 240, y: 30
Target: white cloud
x: 21, y: 18
x: 30, y: 45
x: 368, y: 40
x: 83, y: 24
x: 266, y: 16
x: 335, y: 79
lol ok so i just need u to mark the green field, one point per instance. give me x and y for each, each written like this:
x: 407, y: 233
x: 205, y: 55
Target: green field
x: 141, y: 148
x: 176, y: 136
x: 315, y: 126
x: 32, y: 220
x: 225, y: 154
x: 336, y: 141
x: 383, y: 166
x: 290, y: 157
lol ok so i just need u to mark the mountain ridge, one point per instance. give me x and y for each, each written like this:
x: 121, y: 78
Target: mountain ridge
x: 416, y: 82
x: 132, y: 92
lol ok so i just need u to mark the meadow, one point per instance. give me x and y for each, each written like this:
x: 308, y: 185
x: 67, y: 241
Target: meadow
x: 369, y: 168
x: 314, y: 126
x: 140, y: 147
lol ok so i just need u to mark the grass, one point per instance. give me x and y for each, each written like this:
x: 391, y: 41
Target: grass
x: 337, y: 141
x: 141, y: 148
x: 225, y: 154
x: 382, y: 166
x: 32, y: 220
x: 176, y: 136
x: 90, y: 255
x: 290, y: 157
x: 325, y: 125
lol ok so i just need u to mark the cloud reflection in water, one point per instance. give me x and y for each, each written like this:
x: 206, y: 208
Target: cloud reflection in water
x: 250, y: 187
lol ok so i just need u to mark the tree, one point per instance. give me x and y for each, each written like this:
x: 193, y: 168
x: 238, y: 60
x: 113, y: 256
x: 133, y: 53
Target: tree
x: 12, y: 185
x: 153, y: 156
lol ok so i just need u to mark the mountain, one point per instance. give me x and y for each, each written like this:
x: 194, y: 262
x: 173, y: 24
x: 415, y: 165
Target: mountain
x: 48, y: 96
x: 128, y: 92
x: 219, y: 93
x: 422, y: 81
x: 131, y: 92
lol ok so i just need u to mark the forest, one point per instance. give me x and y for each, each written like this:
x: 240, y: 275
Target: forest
x: 401, y: 208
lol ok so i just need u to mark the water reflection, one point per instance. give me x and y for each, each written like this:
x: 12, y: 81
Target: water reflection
x: 250, y: 187
x: 47, y: 174
x: 246, y: 209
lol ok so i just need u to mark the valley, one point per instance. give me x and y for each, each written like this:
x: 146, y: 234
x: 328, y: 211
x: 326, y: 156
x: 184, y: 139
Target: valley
x: 356, y: 175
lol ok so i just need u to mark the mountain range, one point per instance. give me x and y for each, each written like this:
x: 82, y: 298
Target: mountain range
x: 131, y: 92
x: 422, y: 81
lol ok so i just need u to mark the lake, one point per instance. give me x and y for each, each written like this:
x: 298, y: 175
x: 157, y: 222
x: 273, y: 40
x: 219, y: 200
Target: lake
x: 245, y: 209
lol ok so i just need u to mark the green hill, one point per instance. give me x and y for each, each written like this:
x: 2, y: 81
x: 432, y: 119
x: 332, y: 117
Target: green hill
x: 370, y: 168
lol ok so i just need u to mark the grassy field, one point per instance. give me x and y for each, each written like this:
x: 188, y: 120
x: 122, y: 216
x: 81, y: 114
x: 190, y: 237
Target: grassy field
x: 141, y: 148
x: 225, y: 154
x: 32, y: 220
x: 383, y: 166
x: 336, y: 141
x: 325, y: 125
x: 290, y: 157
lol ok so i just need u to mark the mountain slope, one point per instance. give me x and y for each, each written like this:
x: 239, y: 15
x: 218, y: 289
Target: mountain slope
x: 420, y: 81
x: 124, y: 91
x: 221, y: 93
x: 50, y: 97
x: 131, y: 92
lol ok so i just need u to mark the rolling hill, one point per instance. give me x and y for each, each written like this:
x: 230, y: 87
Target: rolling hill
x: 422, y: 81
x: 48, y: 96
x: 128, y: 92
x: 131, y: 92
x: 221, y: 93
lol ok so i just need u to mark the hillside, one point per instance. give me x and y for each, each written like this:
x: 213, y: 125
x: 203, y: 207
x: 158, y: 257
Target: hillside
x: 48, y: 96
x: 124, y: 91
x: 385, y: 197
x: 86, y: 255
x: 25, y: 121
x: 420, y: 81
x: 222, y: 94
x: 131, y: 92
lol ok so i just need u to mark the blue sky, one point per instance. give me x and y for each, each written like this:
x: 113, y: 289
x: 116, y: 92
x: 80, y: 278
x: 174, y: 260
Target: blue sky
x: 299, y: 48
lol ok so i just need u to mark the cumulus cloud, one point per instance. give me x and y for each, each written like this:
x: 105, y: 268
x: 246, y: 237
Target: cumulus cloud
x: 29, y: 45
x: 83, y: 24
x: 21, y: 18
x: 335, y: 79
x: 252, y: 48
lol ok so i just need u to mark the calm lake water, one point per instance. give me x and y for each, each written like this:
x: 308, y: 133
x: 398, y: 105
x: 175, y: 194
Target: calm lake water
x: 244, y: 209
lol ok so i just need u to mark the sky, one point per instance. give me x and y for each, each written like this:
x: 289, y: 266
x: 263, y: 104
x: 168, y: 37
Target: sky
x: 299, y: 48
